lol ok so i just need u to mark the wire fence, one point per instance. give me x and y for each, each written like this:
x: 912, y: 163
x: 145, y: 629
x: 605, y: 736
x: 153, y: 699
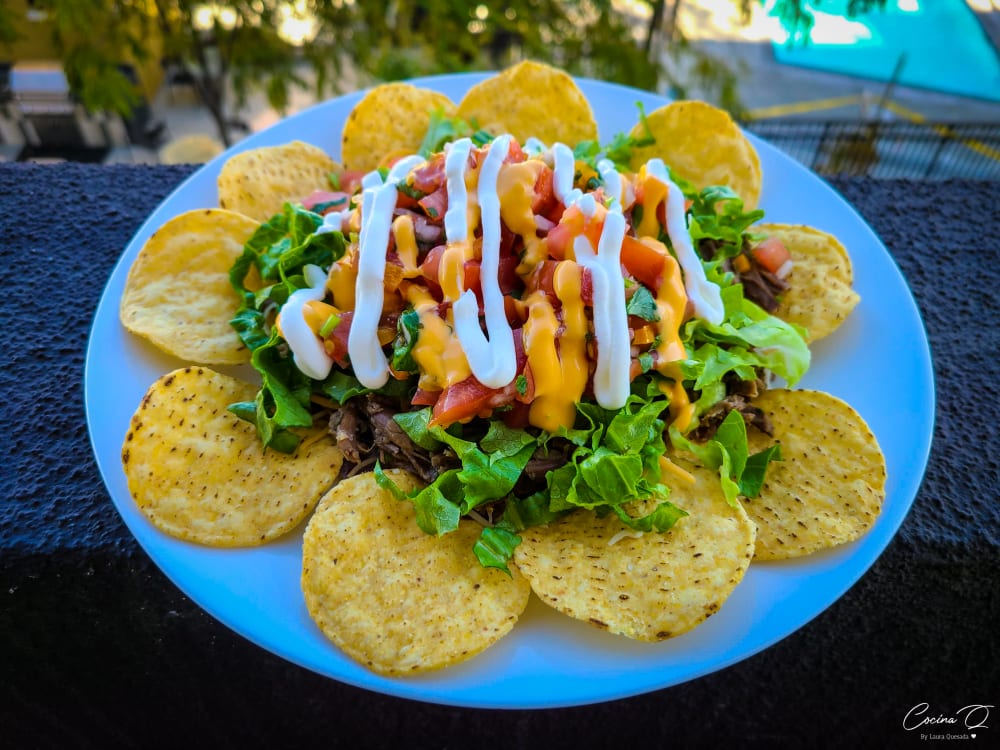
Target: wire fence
x: 894, y: 149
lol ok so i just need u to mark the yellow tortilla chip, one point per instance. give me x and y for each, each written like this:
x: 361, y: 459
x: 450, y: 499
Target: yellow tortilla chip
x: 531, y: 100
x: 396, y: 599
x: 199, y: 473
x: 702, y: 144
x: 820, y: 296
x: 178, y: 294
x: 648, y: 586
x: 391, y: 120
x: 260, y: 181
x: 829, y: 486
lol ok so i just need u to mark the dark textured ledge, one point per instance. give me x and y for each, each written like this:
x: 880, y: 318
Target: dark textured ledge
x: 100, y: 650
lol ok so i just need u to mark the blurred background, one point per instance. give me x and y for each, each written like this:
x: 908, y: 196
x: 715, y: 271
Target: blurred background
x: 887, y: 88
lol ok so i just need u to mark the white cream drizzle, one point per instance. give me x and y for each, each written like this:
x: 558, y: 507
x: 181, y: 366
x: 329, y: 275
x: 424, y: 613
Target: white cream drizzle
x: 367, y: 358
x: 456, y: 162
x: 491, y: 356
x: 308, y: 352
x: 611, y: 376
x: 492, y: 361
x: 334, y: 221
x: 704, y: 295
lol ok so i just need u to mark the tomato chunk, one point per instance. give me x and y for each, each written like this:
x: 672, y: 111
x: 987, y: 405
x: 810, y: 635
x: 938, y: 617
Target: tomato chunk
x: 771, y: 254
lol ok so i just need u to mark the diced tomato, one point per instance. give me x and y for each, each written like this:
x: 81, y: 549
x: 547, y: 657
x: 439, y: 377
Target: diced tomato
x: 572, y: 224
x: 432, y: 262
x: 336, y: 342
x: 544, y: 199
x: 425, y: 398
x: 643, y: 261
x: 515, y: 154
x: 543, y: 279
x: 771, y: 254
x: 472, y: 269
x: 327, y: 201
x: 435, y: 204
x: 507, y: 274
x: 430, y: 176
x: 558, y: 240
x: 469, y: 398
x: 517, y: 416
x: 466, y: 399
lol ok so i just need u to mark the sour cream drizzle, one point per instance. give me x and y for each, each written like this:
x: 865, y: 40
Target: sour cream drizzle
x: 369, y: 362
x: 611, y: 377
x: 704, y: 295
x: 456, y: 223
x: 308, y: 352
x: 492, y: 361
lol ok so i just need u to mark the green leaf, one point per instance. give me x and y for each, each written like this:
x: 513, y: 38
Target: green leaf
x: 495, y: 548
x: 415, y: 425
x: 755, y: 471
x: 642, y: 304
x: 435, y: 513
x: 661, y: 519
x: 407, y: 333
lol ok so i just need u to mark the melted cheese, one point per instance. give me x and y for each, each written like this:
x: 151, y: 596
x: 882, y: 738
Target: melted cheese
x: 438, y: 352
x: 406, y: 245
x: 516, y: 189
x: 560, y: 374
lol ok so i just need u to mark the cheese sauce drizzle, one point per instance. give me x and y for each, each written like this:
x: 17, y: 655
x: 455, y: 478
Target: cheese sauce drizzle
x: 367, y: 358
x: 704, y: 295
x: 492, y: 361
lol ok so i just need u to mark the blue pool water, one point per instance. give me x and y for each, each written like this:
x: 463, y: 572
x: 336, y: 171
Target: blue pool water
x: 944, y: 45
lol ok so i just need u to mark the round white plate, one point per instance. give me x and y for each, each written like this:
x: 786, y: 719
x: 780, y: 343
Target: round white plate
x: 878, y: 361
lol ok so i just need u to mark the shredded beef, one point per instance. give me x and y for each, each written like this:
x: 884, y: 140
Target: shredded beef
x: 738, y: 398
x: 364, y: 429
x: 760, y: 286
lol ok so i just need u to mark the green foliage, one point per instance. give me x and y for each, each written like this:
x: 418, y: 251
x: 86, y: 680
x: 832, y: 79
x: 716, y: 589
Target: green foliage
x: 229, y: 50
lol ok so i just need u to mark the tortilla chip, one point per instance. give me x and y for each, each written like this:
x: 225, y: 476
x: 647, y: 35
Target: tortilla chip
x: 829, y: 486
x: 820, y: 296
x: 178, y: 294
x: 703, y: 145
x: 391, y: 120
x: 531, y: 100
x: 199, y: 473
x: 650, y: 586
x: 260, y: 181
x: 396, y: 599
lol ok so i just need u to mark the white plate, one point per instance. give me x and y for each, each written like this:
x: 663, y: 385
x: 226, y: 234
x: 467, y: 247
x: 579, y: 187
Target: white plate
x: 878, y: 361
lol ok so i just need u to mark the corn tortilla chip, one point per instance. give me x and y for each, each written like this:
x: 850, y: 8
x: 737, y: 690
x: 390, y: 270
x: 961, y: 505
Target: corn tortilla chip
x: 702, y: 144
x: 829, y: 486
x: 178, y: 294
x: 396, y: 599
x: 820, y: 296
x: 531, y: 100
x: 260, y: 181
x: 199, y: 473
x: 650, y: 587
x: 391, y: 120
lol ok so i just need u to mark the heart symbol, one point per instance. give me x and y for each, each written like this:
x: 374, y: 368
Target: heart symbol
x: 973, y: 735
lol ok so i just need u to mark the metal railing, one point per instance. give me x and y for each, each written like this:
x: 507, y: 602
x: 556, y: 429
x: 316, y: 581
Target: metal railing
x: 889, y: 149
